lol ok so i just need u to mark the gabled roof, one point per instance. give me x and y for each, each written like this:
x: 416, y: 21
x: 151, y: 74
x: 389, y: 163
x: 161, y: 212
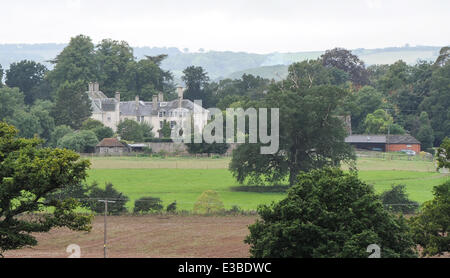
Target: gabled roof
x: 402, y: 139
x: 381, y: 139
x: 110, y: 142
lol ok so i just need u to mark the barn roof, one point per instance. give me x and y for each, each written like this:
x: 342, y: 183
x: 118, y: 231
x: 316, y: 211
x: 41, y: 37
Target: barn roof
x: 383, y: 139
x: 110, y: 142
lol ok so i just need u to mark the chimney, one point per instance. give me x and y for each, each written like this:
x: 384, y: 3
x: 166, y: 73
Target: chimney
x: 155, y: 102
x: 160, y: 97
x: 137, y: 102
x: 96, y: 87
x: 91, y: 87
x: 180, y: 91
x: 118, y: 96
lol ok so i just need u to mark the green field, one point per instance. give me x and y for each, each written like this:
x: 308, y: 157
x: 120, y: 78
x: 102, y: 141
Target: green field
x: 184, y: 179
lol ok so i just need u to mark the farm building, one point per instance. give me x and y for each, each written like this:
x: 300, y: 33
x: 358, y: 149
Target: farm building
x: 390, y: 143
x: 110, y: 146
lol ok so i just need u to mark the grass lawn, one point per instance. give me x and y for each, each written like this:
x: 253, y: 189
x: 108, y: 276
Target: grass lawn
x: 184, y: 179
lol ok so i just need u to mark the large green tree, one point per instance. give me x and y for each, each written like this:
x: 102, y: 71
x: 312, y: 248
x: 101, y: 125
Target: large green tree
x: 328, y: 214
x: 113, y: 58
x: 27, y: 76
x: 311, y: 135
x: 72, y: 105
x: 146, y: 78
x: 346, y: 61
x: 77, y: 62
x: 196, y: 80
x: 28, y: 173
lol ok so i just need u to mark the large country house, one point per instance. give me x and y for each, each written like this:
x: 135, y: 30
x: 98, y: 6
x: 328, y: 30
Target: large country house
x: 110, y: 111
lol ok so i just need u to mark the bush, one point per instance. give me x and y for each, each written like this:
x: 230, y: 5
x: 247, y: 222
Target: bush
x: 110, y: 193
x: 81, y: 141
x: 396, y: 200
x: 328, y: 214
x: 172, y: 207
x: 147, y: 204
x: 208, y: 203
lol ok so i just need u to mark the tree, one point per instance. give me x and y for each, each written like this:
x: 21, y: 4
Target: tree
x: 344, y: 60
x: 397, y: 200
x: 196, y: 80
x: 28, y: 173
x: 328, y: 214
x: 96, y: 193
x: 425, y: 134
x: 27, y: 76
x: 11, y: 100
x: 437, y: 103
x: 380, y: 122
x: 58, y: 133
x: 431, y: 228
x: 27, y: 125
x: 444, y: 56
x: 396, y: 77
x: 98, y: 128
x: 363, y: 102
x: 81, y: 141
x: 146, y: 78
x: 77, y: 62
x: 72, y: 105
x: 306, y: 74
x: 165, y: 131
x: 310, y: 136
x: 1, y: 76
x: 113, y: 58
x: 208, y: 202
x: 443, y: 154
x: 133, y: 131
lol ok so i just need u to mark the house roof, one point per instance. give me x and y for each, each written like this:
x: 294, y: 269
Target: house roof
x: 110, y: 142
x: 382, y: 139
x: 366, y: 138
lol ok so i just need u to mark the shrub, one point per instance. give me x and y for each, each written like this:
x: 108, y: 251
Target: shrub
x: 110, y: 193
x: 147, y: 204
x: 396, y: 200
x: 172, y: 207
x: 328, y: 213
x: 209, y: 202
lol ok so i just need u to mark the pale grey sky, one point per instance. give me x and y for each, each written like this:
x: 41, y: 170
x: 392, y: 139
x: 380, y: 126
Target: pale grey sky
x: 259, y: 26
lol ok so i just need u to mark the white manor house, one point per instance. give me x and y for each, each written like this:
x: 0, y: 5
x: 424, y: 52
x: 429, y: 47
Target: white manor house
x: 110, y: 111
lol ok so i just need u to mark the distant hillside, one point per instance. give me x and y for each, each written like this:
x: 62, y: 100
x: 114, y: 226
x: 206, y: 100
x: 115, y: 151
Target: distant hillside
x: 277, y: 72
x: 224, y: 64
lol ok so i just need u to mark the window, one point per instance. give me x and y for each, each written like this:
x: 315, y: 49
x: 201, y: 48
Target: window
x: 172, y: 124
x: 160, y: 114
x: 161, y: 124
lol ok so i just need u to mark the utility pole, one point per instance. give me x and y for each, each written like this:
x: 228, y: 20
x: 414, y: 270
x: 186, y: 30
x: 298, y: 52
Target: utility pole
x: 106, y: 213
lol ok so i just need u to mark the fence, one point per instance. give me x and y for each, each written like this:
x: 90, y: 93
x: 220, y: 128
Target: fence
x: 422, y: 156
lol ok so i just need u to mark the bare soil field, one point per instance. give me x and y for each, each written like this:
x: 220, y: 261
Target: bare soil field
x: 149, y: 236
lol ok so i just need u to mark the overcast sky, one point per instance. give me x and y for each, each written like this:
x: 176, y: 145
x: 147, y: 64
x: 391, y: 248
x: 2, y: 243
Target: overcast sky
x: 259, y: 26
